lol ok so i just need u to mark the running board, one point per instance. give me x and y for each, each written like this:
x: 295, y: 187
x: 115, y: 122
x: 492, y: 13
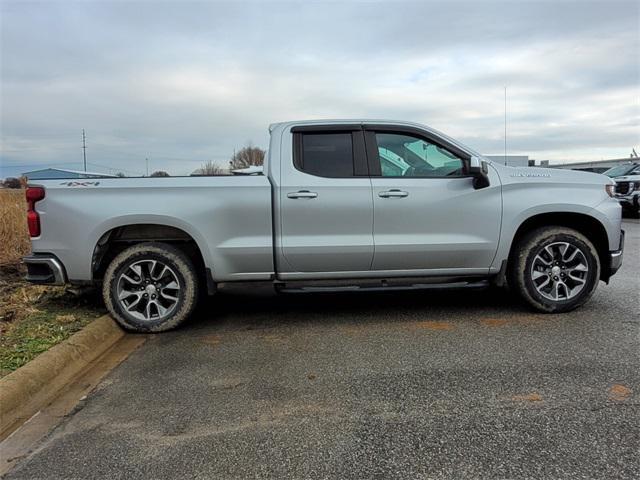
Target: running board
x: 380, y: 287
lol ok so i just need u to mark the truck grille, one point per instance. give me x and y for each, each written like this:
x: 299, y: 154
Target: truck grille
x: 622, y: 187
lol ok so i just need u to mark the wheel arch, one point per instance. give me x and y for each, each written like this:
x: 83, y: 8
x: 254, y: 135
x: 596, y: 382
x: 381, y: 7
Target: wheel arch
x: 119, y: 235
x: 586, y: 224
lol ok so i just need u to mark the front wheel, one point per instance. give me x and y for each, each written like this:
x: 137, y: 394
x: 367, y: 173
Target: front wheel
x: 150, y: 287
x: 554, y: 269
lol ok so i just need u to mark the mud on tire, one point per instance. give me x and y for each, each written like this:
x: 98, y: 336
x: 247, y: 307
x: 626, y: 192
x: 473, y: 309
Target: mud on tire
x: 554, y: 269
x: 150, y: 287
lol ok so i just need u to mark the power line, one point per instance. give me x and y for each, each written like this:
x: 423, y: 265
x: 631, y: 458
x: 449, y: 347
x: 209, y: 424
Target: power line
x: 84, y: 150
x: 505, y: 125
x: 115, y: 168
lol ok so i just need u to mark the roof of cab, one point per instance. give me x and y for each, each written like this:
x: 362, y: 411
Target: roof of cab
x: 364, y: 121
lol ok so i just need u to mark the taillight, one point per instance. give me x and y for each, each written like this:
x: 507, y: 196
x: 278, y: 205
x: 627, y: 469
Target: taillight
x: 33, y: 194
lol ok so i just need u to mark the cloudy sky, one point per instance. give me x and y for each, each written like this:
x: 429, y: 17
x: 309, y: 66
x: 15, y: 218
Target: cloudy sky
x: 186, y: 82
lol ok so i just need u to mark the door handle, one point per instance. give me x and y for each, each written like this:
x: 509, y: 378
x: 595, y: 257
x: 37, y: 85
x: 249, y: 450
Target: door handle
x: 393, y: 193
x: 302, y: 194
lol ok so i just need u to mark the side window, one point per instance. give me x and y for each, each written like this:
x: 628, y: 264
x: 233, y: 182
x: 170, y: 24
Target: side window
x: 408, y: 156
x: 325, y: 154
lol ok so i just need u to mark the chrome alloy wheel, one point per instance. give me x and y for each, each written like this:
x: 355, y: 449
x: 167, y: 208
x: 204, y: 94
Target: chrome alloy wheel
x: 559, y: 271
x: 148, y: 290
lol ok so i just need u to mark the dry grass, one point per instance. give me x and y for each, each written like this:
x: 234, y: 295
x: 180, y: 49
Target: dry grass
x: 33, y: 318
x: 14, y: 236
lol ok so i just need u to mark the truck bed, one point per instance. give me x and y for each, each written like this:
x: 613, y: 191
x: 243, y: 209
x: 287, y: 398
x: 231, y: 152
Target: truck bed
x: 229, y: 217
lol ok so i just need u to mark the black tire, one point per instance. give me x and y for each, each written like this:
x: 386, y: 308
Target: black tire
x: 530, y: 254
x: 140, y: 259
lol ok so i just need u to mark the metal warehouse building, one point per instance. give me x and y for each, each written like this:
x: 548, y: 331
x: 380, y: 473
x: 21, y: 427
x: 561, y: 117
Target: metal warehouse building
x: 512, y: 160
x: 597, y: 166
x: 60, y: 173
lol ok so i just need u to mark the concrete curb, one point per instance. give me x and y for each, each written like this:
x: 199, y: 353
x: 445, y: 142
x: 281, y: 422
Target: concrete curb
x: 34, y: 385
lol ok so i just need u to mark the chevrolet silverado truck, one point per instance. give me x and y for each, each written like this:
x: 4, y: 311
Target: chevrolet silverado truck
x: 339, y: 206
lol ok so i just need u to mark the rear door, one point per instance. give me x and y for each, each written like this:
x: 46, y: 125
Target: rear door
x: 427, y: 215
x: 326, y: 206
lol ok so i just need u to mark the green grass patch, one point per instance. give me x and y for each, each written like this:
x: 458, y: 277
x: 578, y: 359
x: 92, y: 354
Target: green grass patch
x: 51, y: 320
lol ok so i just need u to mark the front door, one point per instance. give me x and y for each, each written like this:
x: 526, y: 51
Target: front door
x: 326, y: 207
x: 427, y: 215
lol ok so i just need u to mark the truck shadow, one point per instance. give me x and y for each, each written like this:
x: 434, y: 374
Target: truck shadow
x: 261, y: 307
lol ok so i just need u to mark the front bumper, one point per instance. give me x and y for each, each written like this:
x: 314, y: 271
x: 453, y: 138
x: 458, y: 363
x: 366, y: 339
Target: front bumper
x: 632, y: 201
x: 45, y: 269
x: 627, y: 193
x: 615, y: 258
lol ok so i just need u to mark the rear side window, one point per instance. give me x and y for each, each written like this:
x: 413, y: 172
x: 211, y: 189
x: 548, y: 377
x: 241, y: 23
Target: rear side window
x: 325, y: 154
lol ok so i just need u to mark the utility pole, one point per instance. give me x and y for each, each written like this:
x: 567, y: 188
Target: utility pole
x: 505, y: 125
x: 147, y: 162
x: 84, y: 150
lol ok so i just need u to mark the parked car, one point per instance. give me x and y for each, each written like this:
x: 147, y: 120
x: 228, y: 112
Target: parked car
x: 628, y: 190
x: 621, y: 170
x: 341, y: 205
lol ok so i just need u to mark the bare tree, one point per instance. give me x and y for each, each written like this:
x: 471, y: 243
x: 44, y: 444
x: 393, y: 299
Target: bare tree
x: 209, y: 169
x: 246, y: 157
x: 160, y: 173
x: 120, y: 174
x: 12, y: 182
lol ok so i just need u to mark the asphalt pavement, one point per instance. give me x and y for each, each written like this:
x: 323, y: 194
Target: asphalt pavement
x: 440, y: 385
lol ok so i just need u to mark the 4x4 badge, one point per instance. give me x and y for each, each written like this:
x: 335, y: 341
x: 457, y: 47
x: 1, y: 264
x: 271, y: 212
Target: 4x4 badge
x: 80, y: 184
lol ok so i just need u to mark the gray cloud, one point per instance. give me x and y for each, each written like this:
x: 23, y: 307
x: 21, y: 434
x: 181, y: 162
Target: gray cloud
x: 186, y: 82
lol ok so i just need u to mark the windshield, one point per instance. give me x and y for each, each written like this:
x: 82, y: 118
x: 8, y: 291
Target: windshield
x: 621, y: 170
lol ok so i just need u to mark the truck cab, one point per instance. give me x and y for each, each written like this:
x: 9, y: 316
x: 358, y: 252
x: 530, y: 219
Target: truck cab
x: 345, y: 212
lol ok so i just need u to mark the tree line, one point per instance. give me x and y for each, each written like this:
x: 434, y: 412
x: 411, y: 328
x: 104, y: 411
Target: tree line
x: 247, y: 156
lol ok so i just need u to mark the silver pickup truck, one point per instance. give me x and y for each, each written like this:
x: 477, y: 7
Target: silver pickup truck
x: 341, y: 205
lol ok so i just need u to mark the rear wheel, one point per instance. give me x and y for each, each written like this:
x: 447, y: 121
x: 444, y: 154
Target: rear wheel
x: 150, y: 287
x: 554, y: 269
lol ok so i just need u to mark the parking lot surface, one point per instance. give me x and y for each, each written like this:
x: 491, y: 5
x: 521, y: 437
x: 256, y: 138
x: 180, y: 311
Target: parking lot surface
x: 458, y: 384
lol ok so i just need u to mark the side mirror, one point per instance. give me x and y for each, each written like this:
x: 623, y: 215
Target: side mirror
x: 480, y: 172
